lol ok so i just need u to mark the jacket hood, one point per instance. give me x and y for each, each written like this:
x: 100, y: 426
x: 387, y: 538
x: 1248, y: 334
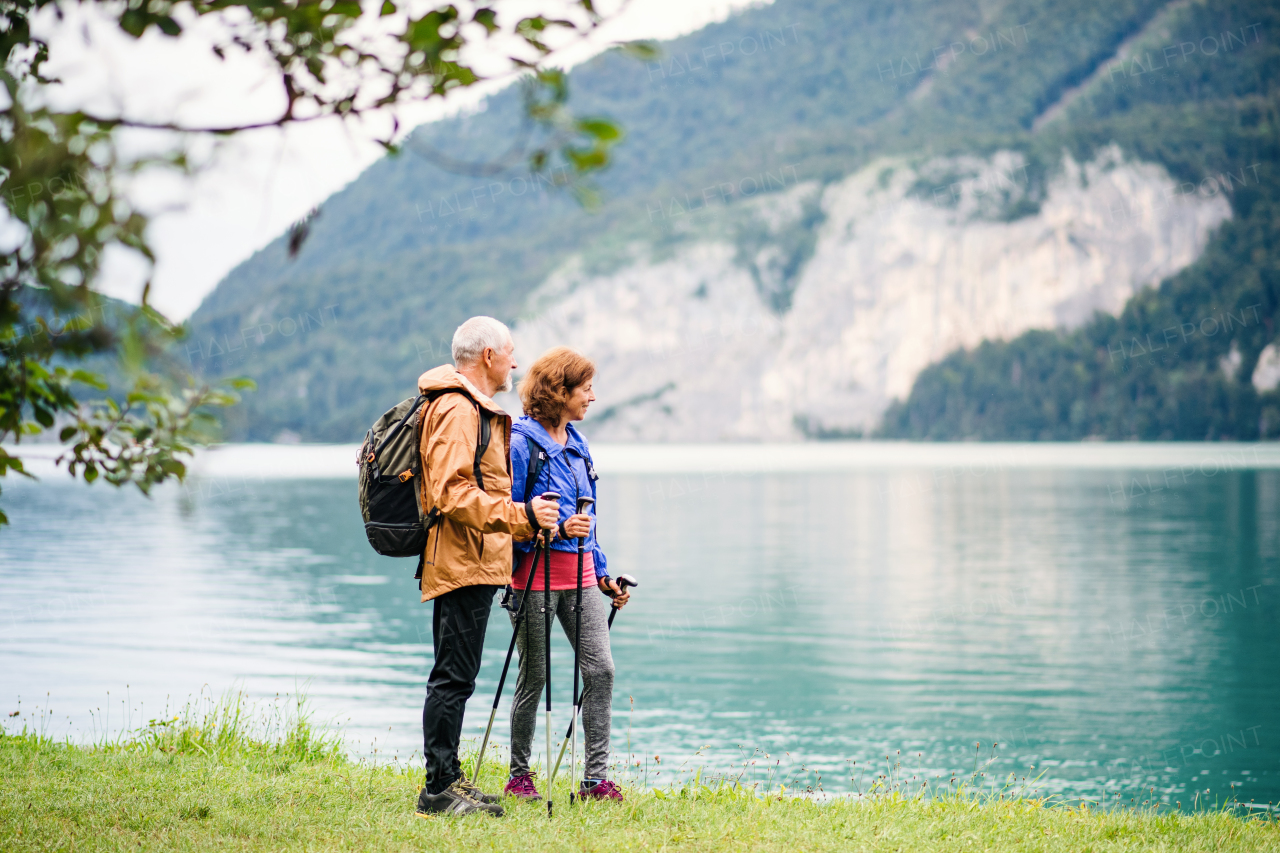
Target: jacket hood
x: 446, y: 377
x: 527, y: 426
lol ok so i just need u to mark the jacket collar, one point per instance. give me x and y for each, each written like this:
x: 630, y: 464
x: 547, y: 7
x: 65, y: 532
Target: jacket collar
x: 446, y: 377
x: 527, y: 426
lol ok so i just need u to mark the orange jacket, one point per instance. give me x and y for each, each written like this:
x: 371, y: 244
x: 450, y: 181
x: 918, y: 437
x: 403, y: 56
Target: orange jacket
x: 471, y: 543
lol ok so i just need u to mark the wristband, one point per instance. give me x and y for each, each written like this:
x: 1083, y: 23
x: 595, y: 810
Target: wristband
x: 533, y: 519
x: 563, y: 534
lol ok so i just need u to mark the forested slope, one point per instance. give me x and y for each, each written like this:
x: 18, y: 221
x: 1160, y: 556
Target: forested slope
x: 1177, y: 363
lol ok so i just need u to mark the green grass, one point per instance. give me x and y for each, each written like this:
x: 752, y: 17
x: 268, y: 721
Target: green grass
x: 226, y: 780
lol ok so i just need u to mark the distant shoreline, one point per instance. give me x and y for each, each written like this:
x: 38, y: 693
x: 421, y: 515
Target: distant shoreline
x: 337, y: 461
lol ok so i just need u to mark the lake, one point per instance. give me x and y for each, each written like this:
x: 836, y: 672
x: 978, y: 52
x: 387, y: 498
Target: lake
x: 1106, y: 613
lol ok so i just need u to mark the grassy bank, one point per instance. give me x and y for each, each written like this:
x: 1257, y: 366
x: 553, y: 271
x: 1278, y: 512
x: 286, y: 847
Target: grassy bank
x: 210, y: 784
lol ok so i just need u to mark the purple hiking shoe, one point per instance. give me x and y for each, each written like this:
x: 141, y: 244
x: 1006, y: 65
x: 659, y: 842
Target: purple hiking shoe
x: 602, y: 790
x: 522, y: 786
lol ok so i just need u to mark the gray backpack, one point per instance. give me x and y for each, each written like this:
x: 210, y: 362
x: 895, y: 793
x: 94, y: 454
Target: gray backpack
x: 390, y: 463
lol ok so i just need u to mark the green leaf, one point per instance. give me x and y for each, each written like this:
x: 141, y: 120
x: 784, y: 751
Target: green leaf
x: 424, y: 33
x: 243, y: 383
x: 67, y: 433
x: 588, y: 159
x: 90, y: 472
x: 644, y: 50
x: 133, y: 22
x: 587, y: 196
x: 388, y: 8
x: 94, y: 380
x: 487, y: 18
x: 12, y: 463
x: 602, y: 129
x: 220, y: 399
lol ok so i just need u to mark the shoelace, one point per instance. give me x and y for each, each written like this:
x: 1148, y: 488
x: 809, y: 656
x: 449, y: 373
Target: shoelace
x: 464, y: 789
x: 524, y: 785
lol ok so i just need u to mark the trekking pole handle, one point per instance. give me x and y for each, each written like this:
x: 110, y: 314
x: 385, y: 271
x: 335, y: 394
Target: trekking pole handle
x: 624, y: 581
x: 554, y: 497
x: 584, y: 503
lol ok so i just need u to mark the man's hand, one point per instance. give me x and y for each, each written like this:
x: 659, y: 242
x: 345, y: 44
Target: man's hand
x: 610, y: 588
x: 547, y: 512
x: 577, y: 525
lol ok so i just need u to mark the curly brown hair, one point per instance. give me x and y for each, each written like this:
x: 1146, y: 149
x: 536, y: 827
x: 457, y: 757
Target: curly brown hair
x: 545, y: 389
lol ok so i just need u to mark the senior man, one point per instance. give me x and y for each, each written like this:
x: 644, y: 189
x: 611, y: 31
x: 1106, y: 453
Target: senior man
x: 468, y: 553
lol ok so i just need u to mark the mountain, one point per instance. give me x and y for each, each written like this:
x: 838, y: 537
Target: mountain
x: 697, y: 344
x: 828, y: 219
x: 1195, y: 357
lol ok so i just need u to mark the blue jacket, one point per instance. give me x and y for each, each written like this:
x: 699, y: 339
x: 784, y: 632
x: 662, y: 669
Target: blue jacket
x: 566, y: 472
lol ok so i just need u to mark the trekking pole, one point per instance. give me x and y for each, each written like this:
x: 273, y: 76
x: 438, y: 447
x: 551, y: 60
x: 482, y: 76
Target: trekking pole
x: 583, y: 505
x: 546, y: 609
x: 624, y: 581
x: 520, y: 611
x: 571, y: 736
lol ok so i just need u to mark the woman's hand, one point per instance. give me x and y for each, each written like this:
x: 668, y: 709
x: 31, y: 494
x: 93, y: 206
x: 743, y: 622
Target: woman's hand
x: 577, y: 526
x: 610, y: 587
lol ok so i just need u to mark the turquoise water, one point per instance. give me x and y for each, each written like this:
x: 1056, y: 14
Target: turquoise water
x: 1114, y: 628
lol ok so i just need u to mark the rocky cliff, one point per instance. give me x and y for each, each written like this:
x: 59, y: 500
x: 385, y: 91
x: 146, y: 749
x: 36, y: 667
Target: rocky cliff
x: 804, y: 312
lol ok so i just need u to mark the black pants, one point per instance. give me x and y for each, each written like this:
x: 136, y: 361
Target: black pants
x: 457, y: 632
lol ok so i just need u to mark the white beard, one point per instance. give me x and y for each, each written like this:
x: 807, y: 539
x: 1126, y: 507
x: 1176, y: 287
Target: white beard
x: 505, y: 386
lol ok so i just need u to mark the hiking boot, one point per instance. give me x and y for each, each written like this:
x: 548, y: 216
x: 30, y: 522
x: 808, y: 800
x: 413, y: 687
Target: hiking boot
x: 522, y: 786
x: 453, y: 800
x: 602, y: 790
x: 475, y: 792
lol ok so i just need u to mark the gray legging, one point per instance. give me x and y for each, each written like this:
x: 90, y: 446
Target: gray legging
x: 597, y: 675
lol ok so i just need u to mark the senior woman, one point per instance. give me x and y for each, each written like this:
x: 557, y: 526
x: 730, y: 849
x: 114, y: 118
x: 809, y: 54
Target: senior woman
x: 555, y: 392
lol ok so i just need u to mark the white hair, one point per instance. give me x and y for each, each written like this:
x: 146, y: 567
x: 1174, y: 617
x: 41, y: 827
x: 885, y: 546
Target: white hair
x: 475, y: 336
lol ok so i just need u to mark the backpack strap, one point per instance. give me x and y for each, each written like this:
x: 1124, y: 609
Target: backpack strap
x: 485, y: 431
x: 391, y: 433
x: 537, y: 459
x: 591, y: 474
x: 482, y: 443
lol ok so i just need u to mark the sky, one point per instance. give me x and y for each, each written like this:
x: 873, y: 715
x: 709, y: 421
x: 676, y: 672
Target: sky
x: 253, y: 186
